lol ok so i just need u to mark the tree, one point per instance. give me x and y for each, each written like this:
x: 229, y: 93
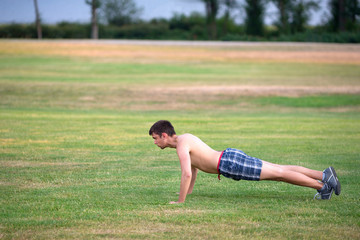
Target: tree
x: 254, y: 21
x: 284, y: 8
x: 300, y: 14
x: 95, y: 4
x: 294, y: 14
x: 344, y: 14
x: 212, y: 9
x: 229, y: 6
x: 37, y: 20
x: 354, y: 11
x: 120, y: 12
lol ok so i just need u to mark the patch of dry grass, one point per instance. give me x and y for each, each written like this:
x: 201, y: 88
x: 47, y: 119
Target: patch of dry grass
x: 118, y: 52
x: 118, y: 97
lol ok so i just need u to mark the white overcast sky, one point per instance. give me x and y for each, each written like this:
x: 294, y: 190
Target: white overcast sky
x: 53, y: 11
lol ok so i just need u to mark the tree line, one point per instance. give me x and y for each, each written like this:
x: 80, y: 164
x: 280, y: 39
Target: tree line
x: 221, y: 20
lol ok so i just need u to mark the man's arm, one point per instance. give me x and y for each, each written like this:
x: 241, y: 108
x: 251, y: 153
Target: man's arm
x: 194, y: 172
x: 186, y: 172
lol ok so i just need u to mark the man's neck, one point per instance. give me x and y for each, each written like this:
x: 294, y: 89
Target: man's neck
x: 173, y: 141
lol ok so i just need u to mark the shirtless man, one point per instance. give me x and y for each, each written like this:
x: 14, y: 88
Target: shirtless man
x: 194, y: 154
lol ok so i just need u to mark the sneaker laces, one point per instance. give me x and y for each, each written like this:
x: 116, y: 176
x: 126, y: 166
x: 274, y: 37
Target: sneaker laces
x: 317, y: 196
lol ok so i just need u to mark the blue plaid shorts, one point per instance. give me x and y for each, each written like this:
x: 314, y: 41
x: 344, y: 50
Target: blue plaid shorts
x: 235, y: 164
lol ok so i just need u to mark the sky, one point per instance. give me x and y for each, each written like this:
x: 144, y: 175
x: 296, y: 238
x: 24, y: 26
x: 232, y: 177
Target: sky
x: 54, y: 11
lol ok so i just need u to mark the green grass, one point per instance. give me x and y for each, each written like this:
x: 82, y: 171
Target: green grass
x: 312, y: 101
x: 51, y: 69
x: 318, y: 101
x: 76, y: 161
x: 97, y: 174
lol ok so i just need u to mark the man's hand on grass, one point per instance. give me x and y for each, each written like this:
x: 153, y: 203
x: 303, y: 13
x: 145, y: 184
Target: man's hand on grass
x: 177, y: 202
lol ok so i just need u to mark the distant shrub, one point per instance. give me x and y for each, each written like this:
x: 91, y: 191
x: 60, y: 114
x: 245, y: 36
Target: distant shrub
x: 17, y: 31
x: 69, y: 30
x: 179, y: 27
x: 343, y: 37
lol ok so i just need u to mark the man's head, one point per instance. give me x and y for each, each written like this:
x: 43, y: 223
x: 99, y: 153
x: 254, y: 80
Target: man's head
x: 160, y: 132
x: 162, y: 126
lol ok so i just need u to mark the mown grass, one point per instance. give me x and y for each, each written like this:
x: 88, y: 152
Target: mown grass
x: 313, y: 101
x: 97, y: 174
x: 60, y: 69
x: 76, y: 161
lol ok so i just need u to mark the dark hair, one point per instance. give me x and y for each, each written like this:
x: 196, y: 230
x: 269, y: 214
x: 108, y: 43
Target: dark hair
x: 162, y: 126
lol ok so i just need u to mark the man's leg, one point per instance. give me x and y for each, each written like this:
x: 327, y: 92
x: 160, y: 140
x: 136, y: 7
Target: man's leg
x: 318, y: 175
x: 291, y: 174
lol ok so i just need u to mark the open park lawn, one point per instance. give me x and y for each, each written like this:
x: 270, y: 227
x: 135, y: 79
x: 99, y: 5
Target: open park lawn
x: 76, y: 160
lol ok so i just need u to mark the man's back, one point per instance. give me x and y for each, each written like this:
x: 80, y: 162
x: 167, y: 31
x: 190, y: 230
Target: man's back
x: 202, y: 156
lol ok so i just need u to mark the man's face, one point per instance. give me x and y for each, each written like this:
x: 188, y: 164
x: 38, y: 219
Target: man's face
x: 159, y: 140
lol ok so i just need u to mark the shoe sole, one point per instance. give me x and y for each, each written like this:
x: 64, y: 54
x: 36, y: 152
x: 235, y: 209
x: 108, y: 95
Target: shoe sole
x: 338, y: 186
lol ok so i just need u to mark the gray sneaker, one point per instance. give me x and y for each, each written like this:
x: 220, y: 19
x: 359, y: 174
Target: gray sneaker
x: 324, y: 193
x: 330, y: 177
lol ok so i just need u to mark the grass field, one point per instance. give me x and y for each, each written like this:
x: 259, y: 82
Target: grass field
x: 76, y: 161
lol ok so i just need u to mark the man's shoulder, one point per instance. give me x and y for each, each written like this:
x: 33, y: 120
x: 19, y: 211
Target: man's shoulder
x: 187, y: 138
x: 186, y: 135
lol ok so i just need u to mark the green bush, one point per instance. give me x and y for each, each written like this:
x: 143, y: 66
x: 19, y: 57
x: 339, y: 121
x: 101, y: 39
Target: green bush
x: 343, y: 37
x: 179, y: 27
x: 17, y: 31
x: 74, y: 30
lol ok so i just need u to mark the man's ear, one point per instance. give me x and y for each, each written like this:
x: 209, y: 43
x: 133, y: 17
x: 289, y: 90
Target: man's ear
x: 164, y: 135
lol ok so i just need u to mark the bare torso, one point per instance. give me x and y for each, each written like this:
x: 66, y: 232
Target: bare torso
x: 202, y: 156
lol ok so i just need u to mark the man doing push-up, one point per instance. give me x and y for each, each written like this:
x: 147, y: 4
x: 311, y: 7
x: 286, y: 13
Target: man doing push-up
x: 232, y: 163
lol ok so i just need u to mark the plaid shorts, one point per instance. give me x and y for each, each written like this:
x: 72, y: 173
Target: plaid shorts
x: 235, y: 164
